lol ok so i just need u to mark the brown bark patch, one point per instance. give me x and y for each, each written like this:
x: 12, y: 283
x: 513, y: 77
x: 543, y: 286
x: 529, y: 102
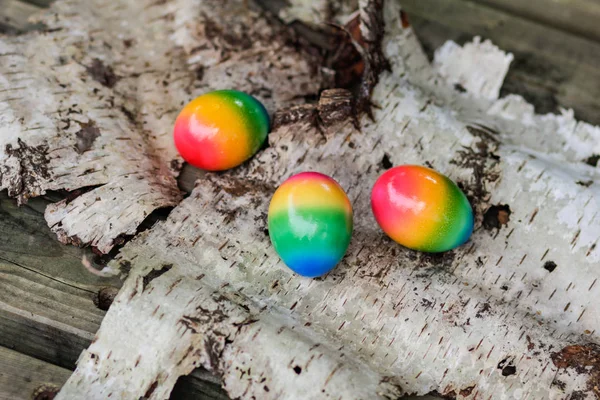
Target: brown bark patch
x: 482, y: 160
x: 496, y: 216
x: 404, y: 20
x: 336, y: 106
x: 372, y: 31
x: 466, y: 392
x: 103, y: 74
x: 302, y: 113
x: 346, y: 61
x: 584, y: 359
x: 45, y: 392
x: 33, y: 162
x: 86, y: 136
x: 105, y: 297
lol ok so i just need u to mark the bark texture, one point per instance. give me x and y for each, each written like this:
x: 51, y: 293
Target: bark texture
x: 91, y: 101
x: 512, y: 314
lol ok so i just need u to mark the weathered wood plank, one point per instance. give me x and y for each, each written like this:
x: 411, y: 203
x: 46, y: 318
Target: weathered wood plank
x: 552, y: 68
x: 22, y: 376
x: 576, y: 16
x: 46, y: 296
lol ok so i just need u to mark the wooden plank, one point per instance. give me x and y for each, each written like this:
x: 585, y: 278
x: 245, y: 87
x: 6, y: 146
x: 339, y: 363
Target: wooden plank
x: 579, y: 17
x: 22, y: 376
x: 14, y: 15
x: 47, y: 305
x: 552, y: 68
x: 46, y: 295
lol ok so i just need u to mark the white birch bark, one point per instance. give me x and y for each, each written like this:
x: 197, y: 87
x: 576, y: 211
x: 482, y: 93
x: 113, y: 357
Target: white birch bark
x: 512, y: 314
x: 91, y: 102
x: 488, y: 320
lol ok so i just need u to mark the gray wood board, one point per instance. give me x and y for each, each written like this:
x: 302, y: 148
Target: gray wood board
x: 552, y: 68
x: 24, y: 377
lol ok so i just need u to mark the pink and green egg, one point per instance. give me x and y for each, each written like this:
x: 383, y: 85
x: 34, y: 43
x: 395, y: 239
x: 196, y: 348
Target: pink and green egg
x: 421, y: 209
x: 220, y: 130
x: 310, y: 223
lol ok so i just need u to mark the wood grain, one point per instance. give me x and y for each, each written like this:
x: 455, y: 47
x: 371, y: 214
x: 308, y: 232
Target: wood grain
x: 575, y: 16
x: 46, y: 295
x: 22, y: 376
x: 552, y: 68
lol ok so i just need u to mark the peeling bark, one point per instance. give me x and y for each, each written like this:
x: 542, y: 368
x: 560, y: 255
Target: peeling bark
x: 485, y: 320
x: 512, y: 314
x: 106, y: 82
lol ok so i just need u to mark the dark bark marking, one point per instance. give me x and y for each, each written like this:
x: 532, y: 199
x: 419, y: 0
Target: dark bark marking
x: 45, y: 392
x: 550, y: 266
x: 496, y: 216
x: 507, y: 367
x: 485, y: 309
x: 155, y: 274
x: 33, y: 161
x: 86, y: 136
x: 105, y: 297
x: 466, y: 392
x: 585, y: 183
x: 151, y: 389
x: 593, y: 160
x: 103, y: 74
x: 385, y: 162
x: 584, y: 359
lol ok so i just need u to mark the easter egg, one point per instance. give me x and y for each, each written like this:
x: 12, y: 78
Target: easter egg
x: 310, y: 223
x: 221, y: 129
x: 421, y: 209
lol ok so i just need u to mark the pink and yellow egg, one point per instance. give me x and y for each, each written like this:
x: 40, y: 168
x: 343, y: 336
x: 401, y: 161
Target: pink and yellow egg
x: 220, y: 130
x: 421, y: 209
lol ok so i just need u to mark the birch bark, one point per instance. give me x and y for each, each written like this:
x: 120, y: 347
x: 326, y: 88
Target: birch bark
x: 512, y: 314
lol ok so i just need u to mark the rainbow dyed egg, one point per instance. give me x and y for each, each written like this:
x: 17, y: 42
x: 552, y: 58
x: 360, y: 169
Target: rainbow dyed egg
x: 310, y: 223
x: 421, y: 209
x: 221, y: 129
